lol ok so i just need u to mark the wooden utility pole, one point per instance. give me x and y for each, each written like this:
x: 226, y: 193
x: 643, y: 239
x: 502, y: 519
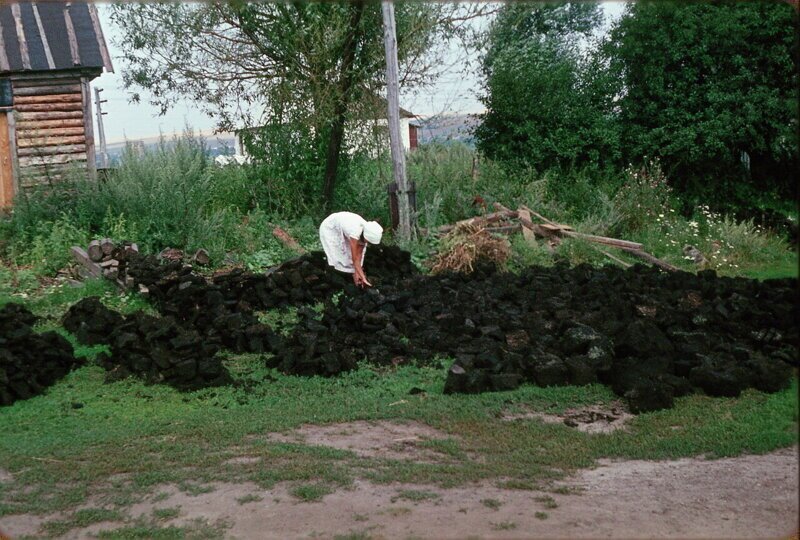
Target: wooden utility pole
x: 405, y: 227
x: 101, y: 133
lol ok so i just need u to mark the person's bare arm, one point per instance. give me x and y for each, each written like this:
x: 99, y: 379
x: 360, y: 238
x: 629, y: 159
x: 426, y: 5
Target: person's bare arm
x: 356, y: 252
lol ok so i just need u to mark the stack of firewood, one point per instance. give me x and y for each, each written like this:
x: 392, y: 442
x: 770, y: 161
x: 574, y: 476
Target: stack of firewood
x: 104, y: 258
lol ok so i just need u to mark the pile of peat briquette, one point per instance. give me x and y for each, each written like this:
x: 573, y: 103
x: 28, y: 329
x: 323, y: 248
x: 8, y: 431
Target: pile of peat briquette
x: 650, y: 335
x: 201, y: 316
x: 29, y: 362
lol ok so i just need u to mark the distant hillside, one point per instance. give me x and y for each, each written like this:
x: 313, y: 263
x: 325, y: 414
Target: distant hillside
x: 440, y: 128
x: 448, y: 127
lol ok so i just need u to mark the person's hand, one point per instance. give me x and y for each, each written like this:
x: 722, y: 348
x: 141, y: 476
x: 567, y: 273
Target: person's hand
x: 357, y: 279
x: 365, y: 283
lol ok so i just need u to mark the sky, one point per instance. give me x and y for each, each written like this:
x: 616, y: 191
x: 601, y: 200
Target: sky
x: 453, y: 92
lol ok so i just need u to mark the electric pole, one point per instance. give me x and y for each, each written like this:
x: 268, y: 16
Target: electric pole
x: 405, y: 227
x: 101, y: 134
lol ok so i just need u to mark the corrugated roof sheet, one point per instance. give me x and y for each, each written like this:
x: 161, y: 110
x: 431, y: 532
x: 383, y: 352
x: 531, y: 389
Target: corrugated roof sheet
x: 46, y: 36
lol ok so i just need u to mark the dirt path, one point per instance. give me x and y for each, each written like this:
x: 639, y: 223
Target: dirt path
x: 745, y: 497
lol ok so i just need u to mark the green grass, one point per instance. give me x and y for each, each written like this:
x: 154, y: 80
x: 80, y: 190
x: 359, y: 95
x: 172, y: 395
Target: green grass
x: 504, y: 526
x: 494, y: 504
x: 548, y: 501
x: 166, y: 514
x: 311, y: 492
x: 198, y: 529
x: 249, y: 498
x: 415, y: 495
x: 80, y: 519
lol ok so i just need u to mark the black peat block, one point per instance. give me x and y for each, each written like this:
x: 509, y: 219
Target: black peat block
x: 155, y: 349
x: 650, y: 335
x: 29, y: 362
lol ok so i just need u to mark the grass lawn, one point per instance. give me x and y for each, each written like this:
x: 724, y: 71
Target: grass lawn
x: 91, y: 449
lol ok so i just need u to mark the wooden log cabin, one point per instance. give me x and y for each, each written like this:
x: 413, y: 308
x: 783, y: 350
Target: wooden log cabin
x: 49, y: 53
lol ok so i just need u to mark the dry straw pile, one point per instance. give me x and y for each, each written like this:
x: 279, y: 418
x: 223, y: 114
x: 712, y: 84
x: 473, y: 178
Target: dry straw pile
x: 466, y: 245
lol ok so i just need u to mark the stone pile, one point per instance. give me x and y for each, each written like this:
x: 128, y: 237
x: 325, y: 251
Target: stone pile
x: 650, y: 335
x: 29, y: 362
x: 156, y: 349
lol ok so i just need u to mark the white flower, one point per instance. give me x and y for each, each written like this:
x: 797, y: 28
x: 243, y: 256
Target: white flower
x: 660, y: 215
x: 693, y: 224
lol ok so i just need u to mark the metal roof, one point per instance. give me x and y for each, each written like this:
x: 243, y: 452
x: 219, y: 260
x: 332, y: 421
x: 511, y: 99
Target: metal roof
x: 49, y: 36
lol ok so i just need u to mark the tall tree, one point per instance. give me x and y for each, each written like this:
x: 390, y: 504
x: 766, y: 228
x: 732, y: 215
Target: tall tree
x: 295, y: 70
x: 547, y: 99
x: 710, y: 87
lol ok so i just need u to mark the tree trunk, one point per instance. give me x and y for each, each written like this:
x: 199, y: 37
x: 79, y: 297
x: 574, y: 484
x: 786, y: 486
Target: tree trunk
x: 340, y: 111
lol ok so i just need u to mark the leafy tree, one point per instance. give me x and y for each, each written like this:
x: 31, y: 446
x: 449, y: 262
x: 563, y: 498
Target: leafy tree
x: 294, y: 70
x: 707, y: 84
x: 548, y: 99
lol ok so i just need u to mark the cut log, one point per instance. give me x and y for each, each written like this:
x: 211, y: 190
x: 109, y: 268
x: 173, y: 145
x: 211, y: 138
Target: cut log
x: 47, y: 90
x: 107, y: 246
x: 47, y: 116
x: 48, y: 107
x: 94, y: 251
x: 287, y: 240
x: 50, y: 160
x: 58, y: 128
x: 82, y: 258
x: 43, y: 142
x: 111, y: 263
x: 47, y: 98
x: 44, y: 150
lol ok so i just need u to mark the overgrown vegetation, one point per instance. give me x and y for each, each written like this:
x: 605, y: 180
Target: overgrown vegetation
x: 174, y: 196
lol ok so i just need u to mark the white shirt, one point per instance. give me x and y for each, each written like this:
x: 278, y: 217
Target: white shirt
x: 334, y: 233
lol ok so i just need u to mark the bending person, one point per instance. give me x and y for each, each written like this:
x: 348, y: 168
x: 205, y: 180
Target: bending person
x: 344, y: 237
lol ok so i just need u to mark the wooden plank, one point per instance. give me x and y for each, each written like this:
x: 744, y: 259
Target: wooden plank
x: 52, y: 150
x: 6, y: 169
x: 50, y: 107
x: 50, y: 160
x: 4, y: 65
x: 43, y: 35
x: 101, y: 40
x: 45, y: 129
x: 527, y: 231
x: 615, y: 259
x: 37, y: 116
x: 47, y: 98
x: 12, y: 141
x: 651, y: 259
x: 50, y: 89
x: 82, y: 258
x: 73, y: 42
x: 23, y: 42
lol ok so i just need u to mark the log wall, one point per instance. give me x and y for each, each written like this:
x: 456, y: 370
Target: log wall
x: 52, y: 130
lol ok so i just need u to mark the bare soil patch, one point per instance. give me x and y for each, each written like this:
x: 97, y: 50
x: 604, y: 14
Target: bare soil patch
x: 590, y: 419
x: 744, y: 497
x: 379, y: 439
